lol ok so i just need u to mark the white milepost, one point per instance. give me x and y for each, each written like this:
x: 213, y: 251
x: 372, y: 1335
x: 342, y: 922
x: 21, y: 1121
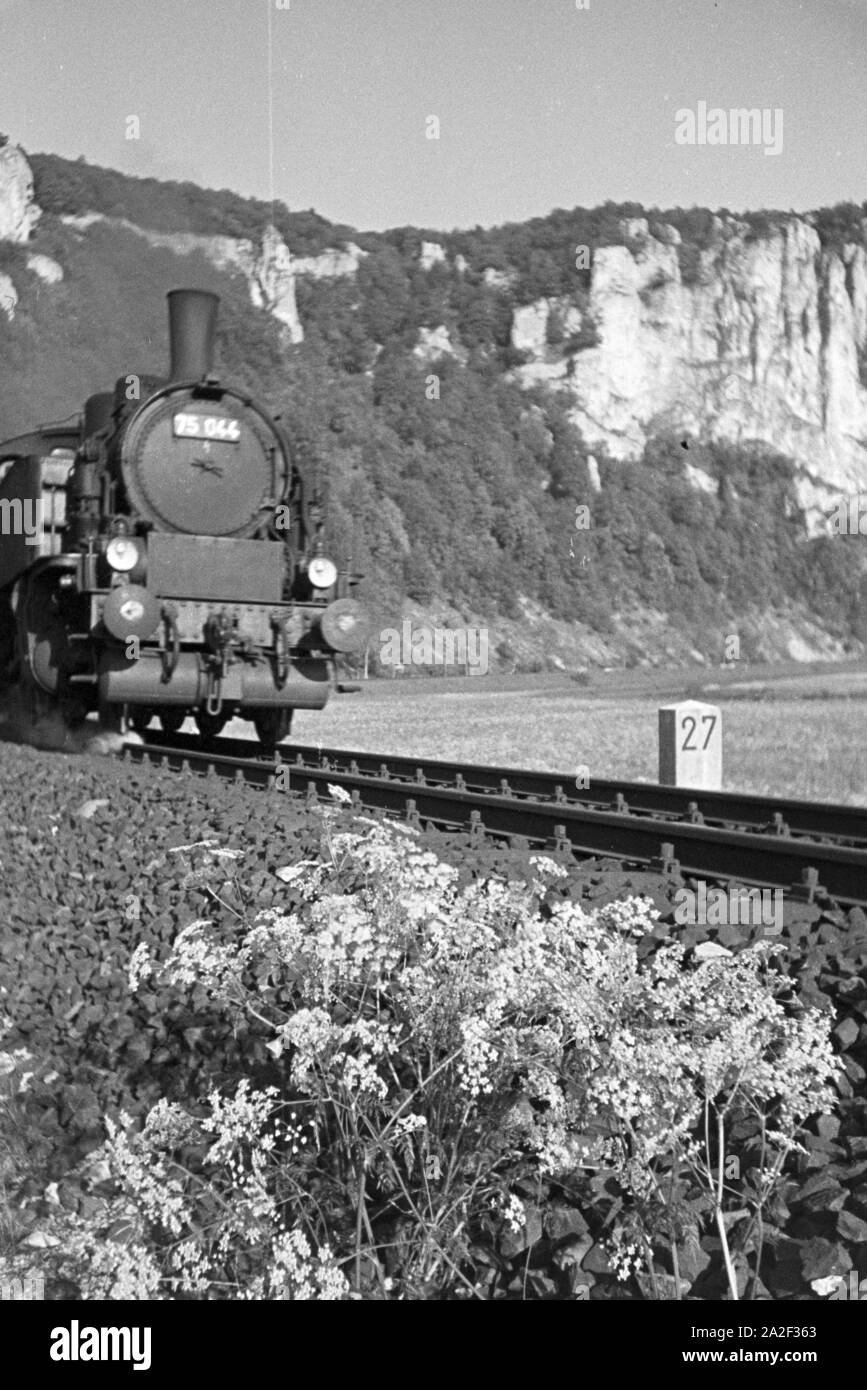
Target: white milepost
x: 690, y: 745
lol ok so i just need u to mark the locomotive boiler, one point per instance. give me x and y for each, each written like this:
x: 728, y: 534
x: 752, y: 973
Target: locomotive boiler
x: 164, y: 557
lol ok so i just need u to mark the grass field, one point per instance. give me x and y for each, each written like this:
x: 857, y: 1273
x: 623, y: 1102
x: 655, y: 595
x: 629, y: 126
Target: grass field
x: 790, y: 730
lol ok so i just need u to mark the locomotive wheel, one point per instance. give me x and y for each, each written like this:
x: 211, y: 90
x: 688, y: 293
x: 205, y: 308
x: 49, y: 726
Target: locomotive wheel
x: 172, y: 719
x: 36, y: 703
x: 210, y: 726
x: 111, y: 719
x: 74, y: 711
x: 139, y: 719
x: 8, y: 640
x: 272, y: 726
x: 72, y: 704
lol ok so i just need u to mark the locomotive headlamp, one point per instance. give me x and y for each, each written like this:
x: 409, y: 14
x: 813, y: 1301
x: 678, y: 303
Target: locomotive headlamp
x: 321, y: 572
x: 122, y: 554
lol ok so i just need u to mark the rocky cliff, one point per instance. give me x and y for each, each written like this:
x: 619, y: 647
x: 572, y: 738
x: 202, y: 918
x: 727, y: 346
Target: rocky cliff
x: 768, y: 342
x: 18, y: 212
x: 745, y: 330
x: 19, y: 215
x: 270, y: 269
x: 764, y: 339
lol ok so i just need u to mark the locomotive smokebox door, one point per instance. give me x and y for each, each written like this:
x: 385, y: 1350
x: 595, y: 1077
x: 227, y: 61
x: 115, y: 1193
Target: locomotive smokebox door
x: 199, y: 466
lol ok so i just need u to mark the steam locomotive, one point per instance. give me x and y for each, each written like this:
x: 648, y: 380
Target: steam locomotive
x: 163, y: 557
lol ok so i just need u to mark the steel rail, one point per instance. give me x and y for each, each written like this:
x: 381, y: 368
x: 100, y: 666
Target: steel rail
x: 799, y: 867
x: 771, y: 815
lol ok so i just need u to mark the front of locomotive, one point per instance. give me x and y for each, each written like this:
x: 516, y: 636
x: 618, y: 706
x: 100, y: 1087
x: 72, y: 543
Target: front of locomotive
x: 213, y: 596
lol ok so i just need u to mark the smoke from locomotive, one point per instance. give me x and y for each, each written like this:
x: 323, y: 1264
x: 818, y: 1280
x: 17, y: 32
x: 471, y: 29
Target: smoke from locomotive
x: 164, y: 557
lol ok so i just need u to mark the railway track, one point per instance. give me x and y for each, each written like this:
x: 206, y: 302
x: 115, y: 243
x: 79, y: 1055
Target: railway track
x: 798, y: 847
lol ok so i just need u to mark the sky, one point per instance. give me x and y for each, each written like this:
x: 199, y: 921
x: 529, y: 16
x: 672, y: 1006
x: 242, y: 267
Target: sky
x: 540, y: 103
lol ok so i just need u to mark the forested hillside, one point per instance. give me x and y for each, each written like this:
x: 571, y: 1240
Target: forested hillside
x: 451, y: 485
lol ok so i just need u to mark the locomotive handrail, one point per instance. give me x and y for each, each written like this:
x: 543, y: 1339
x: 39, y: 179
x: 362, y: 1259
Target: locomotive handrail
x: 214, y: 701
x: 41, y: 442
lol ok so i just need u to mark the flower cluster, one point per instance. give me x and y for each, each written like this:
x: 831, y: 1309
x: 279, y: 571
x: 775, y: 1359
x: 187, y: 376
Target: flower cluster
x: 441, y: 1038
x: 512, y: 1210
x: 624, y: 1254
x: 193, y: 1206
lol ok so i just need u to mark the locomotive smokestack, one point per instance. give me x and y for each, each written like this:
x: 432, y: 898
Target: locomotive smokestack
x: 192, y: 328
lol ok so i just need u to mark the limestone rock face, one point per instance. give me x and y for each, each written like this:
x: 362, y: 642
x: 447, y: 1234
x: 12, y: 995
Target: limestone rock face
x: 272, y: 282
x: 8, y: 296
x: 18, y: 212
x: 530, y: 326
x: 497, y: 279
x: 436, y: 342
x: 432, y: 253
x: 271, y: 272
x: 766, y: 343
x: 330, y: 264
x: 49, y: 272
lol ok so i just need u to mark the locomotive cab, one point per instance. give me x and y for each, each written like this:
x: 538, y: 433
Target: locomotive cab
x: 181, y: 570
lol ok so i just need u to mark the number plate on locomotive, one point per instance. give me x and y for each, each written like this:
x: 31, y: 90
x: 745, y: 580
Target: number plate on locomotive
x: 217, y: 427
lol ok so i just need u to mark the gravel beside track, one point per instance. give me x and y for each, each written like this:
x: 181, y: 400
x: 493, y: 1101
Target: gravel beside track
x: 92, y: 864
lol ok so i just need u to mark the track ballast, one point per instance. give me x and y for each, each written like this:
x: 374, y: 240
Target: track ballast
x: 800, y: 847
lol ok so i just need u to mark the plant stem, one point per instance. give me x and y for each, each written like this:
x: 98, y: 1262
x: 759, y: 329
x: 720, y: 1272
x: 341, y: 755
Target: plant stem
x: 675, y: 1262
x: 730, y: 1272
x: 648, y: 1258
x: 359, y: 1222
